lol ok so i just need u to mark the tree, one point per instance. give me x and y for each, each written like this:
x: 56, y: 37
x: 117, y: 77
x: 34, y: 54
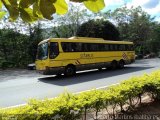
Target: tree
x: 153, y: 44
x: 135, y: 25
x: 68, y: 24
x: 32, y: 10
x: 99, y: 29
x: 132, y: 23
x: 16, y: 48
x: 35, y: 36
x: 13, y: 48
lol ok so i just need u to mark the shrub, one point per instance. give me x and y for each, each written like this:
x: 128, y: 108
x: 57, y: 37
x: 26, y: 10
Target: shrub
x: 74, y: 106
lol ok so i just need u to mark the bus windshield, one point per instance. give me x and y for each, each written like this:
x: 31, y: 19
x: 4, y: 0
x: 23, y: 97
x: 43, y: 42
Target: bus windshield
x: 42, y: 52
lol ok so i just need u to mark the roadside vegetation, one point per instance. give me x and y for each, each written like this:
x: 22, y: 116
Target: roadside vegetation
x: 16, y: 49
x: 121, y: 98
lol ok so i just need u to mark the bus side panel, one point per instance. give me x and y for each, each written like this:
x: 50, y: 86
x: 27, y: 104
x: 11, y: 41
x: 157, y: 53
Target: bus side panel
x: 83, y: 58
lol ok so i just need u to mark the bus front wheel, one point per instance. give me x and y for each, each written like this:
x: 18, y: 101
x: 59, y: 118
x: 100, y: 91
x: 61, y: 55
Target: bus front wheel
x: 70, y: 71
x: 113, y: 65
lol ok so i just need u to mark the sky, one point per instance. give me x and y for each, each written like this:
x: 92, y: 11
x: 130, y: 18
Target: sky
x: 152, y: 7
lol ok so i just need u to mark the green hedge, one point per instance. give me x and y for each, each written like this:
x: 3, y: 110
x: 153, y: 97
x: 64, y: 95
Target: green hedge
x: 70, y: 106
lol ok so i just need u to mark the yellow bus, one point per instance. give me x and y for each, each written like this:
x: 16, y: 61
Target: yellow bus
x: 57, y: 56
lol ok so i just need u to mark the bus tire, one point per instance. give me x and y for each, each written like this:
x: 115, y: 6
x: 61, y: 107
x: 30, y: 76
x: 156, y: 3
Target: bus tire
x: 70, y: 70
x: 58, y: 75
x: 121, y: 64
x: 99, y: 69
x: 113, y: 65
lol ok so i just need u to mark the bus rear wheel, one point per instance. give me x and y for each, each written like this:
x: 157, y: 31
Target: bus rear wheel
x: 58, y: 75
x: 70, y: 71
x: 99, y: 69
x: 121, y: 64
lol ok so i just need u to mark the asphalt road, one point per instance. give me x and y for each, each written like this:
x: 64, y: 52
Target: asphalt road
x: 17, y: 86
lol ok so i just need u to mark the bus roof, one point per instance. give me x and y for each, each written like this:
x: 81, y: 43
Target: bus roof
x: 84, y: 39
x: 88, y: 38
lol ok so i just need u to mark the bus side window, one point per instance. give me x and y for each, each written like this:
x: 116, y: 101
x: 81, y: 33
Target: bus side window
x: 78, y: 47
x: 106, y: 47
x: 111, y: 47
x: 94, y: 47
x: 101, y: 47
x: 85, y: 47
x: 64, y: 47
x: 72, y: 47
x: 127, y: 47
x: 121, y: 47
x: 132, y: 47
x: 115, y: 47
x: 54, y: 51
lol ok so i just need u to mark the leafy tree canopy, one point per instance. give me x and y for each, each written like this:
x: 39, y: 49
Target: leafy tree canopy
x: 138, y: 26
x: 99, y: 29
x: 32, y: 10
